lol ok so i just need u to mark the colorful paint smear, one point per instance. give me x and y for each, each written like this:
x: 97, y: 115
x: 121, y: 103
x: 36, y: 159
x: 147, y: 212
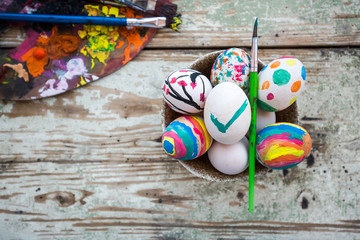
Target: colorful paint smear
x: 48, y: 55
x: 186, y: 138
x: 55, y: 46
x: 233, y: 65
x: 101, y: 39
x: 75, y: 67
x: 282, y: 145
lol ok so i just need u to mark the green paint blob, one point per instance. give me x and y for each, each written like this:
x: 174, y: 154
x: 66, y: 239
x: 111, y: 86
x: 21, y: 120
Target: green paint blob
x: 281, y: 77
x: 266, y: 106
x: 224, y: 127
x: 228, y: 74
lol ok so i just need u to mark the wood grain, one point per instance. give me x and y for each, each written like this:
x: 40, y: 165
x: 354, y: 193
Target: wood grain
x: 88, y: 164
x: 281, y: 24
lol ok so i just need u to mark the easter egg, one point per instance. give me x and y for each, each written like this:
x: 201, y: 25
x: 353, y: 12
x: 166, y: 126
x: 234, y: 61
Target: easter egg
x: 233, y: 65
x: 280, y: 83
x: 227, y: 113
x: 230, y: 159
x: 264, y: 118
x: 186, y: 90
x: 282, y: 145
x: 186, y: 138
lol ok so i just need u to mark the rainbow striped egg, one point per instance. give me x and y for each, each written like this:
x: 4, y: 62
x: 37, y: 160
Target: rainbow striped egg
x: 186, y: 138
x: 282, y: 145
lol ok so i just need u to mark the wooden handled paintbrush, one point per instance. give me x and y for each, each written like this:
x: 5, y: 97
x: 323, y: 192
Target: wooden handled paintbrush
x: 253, y: 98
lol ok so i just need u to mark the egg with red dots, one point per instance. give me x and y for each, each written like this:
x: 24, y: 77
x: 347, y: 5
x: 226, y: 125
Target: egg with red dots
x: 186, y: 90
x: 232, y: 65
x: 280, y: 83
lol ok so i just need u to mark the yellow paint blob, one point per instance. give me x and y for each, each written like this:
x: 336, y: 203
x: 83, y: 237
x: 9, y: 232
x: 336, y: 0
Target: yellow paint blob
x: 101, y: 39
x: 83, y: 51
x: 82, y: 81
x: 113, y: 11
x: 277, y: 151
x: 105, y: 10
x: 82, y: 34
x: 291, y: 62
x: 92, y: 64
x: 292, y: 100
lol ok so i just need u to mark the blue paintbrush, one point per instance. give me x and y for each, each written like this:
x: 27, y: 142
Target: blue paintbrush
x: 153, y: 22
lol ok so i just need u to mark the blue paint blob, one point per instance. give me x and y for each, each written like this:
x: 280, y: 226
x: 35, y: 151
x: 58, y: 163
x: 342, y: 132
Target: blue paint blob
x: 186, y: 134
x: 303, y: 73
x: 168, y: 147
x: 264, y: 68
x: 295, y: 132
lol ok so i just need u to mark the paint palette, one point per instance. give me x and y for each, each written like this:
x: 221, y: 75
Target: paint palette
x: 54, y: 59
x: 201, y: 166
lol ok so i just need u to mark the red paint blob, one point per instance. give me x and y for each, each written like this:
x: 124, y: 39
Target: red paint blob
x: 39, y: 53
x: 270, y: 96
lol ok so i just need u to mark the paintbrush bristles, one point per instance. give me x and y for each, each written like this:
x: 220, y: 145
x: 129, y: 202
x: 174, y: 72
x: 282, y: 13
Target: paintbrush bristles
x: 165, y: 9
x: 157, y: 8
x: 255, y: 28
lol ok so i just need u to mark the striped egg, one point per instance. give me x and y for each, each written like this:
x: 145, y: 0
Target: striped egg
x: 185, y: 91
x: 282, y: 145
x: 186, y: 138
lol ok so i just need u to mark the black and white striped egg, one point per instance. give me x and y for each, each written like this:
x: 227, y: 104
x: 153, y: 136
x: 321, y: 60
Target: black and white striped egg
x: 186, y: 90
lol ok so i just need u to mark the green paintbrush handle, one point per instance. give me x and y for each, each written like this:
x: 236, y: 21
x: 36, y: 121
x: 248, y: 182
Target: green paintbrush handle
x: 252, y: 139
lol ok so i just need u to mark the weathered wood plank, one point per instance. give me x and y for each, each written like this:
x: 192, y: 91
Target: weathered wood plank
x: 282, y: 23
x: 89, y: 163
x: 133, y: 205
x: 118, y: 117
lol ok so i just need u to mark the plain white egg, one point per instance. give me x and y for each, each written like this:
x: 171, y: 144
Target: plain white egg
x: 230, y: 159
x: 264, y: 118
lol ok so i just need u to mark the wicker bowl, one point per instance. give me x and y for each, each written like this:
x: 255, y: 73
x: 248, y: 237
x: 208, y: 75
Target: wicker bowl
x: 201, y: 167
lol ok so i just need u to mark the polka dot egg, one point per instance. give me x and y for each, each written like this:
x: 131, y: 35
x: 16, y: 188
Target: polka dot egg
x: 186, y: 138
x: 233, y: 65
x: 280, y: 83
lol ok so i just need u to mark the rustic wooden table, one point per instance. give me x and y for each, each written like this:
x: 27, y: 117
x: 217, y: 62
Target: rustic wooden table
x: 88, y: 164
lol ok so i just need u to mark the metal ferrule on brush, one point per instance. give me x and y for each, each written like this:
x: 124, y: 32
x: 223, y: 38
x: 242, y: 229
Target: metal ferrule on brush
x: 154, y: 22
x: 254, y: 55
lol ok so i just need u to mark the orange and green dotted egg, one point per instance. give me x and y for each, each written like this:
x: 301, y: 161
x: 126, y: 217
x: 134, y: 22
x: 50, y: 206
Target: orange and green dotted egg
x: 280, y: 83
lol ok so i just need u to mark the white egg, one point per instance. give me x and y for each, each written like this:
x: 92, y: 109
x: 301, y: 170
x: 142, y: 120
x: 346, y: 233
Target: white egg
x: 264, y: 118
x: 186, y: 90
x: 280, y: 83
x: 227, y: 113
x: 230, y: 159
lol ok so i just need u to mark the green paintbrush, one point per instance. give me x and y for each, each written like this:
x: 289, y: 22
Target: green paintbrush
x: 253, y: 98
